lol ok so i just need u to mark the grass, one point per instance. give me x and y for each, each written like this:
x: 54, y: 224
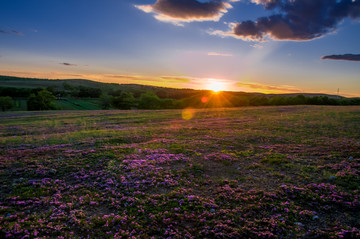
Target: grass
x: 20, y: 104
x: 266, y: 172
x: 274, y: 159
x: 78, y: 104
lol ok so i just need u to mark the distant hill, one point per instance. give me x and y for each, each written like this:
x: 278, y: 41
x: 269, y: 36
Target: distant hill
x: 306, y: 94
x: 162, y: 92
x: 20, y: 82
x: 11, y: 81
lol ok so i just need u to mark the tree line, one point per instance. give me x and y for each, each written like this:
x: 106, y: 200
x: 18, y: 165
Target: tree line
x: 45, y: 98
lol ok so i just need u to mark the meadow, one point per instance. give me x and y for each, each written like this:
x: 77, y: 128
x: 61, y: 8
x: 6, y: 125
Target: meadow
x: 253, y: 172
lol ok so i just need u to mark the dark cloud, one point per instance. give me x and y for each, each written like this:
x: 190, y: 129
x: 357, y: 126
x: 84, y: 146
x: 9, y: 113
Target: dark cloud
x: 4, y: 32
x: 187, y: 10
x: 67, y: 64
x: 345, y: 57
x: 297, y: 20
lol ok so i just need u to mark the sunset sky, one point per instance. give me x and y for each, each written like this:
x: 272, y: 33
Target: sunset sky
x: 270, y: 46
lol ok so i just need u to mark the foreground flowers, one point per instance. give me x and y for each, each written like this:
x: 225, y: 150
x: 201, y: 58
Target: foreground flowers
x: 234, y: 177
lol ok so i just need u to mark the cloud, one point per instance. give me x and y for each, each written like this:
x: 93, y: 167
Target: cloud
x: 283, y: 88
x: 345, y: 57
x: 11, y: 31
x: 67, y: 64
x: 218, y: 54
x: 175, y: 79
x: 127, y: 77
x: 17, y: 33
x: 157, y: 79
x: 295, y: 20
x: 179, y: 11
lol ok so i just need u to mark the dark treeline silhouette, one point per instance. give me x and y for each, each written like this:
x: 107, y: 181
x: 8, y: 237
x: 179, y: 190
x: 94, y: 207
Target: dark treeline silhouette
x: 69, y: 90
x: 113, y: 96
x: 207, y: 99
x: 15, y: 92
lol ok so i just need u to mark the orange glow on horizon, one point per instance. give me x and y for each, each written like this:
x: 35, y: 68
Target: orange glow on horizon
x: 179, y: 82
x: 216, y: 85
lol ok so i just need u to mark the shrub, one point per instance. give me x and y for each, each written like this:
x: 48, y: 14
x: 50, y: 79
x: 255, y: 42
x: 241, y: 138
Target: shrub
x: 43, y: 100
x: 6, y: 103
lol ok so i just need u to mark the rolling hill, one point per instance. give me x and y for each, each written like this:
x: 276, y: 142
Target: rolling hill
x: 137, y: 89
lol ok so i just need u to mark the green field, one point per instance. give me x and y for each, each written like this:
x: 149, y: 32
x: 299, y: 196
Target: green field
x: 20, y: 104
x: 262, y: 172
x: 78, y: 104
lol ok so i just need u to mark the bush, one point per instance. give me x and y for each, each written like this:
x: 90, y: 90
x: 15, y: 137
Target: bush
x: 42, y: 100
x: 6, y: 103
x: 105, y: 101
x: 124, y: 100
x: 149, y: 100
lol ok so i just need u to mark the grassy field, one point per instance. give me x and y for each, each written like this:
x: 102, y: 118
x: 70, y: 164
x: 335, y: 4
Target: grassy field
x: 78, y: 104
x: 20, y: 104
x: 266, y: 172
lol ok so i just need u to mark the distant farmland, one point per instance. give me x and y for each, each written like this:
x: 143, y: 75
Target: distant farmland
x: 265, y: 172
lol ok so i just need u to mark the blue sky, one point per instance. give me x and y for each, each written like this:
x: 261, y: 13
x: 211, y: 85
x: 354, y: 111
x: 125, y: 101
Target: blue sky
x: 271, y: 46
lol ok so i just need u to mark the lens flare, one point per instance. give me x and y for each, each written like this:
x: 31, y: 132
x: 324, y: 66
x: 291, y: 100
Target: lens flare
x: 188, y: 114
x: 204, y: 99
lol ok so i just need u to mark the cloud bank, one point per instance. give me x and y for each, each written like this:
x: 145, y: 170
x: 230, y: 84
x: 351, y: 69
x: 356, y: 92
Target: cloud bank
x: 344, y: 57
x: 295, y: 20
x: 179, y: 11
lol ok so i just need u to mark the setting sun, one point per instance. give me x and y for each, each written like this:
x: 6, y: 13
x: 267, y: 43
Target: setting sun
x: 216, y: 85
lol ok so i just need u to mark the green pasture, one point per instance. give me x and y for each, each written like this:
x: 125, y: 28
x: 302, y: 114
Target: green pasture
x: 63, y: 104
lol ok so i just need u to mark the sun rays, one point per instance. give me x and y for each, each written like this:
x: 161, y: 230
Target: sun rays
x: 216, y: 85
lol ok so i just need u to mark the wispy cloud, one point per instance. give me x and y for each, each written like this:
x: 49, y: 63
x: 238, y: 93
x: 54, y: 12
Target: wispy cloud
x: 67, y: 64
x: 344, y: 57
x: 295, y: 20
x: 176, y: 79
x: 155, y: 79
x: 263, y: 87
x: 180, y: 11
x: 126, y: 77
x: 17, y: 33
x: 11, y: 31
x: 218, y: 54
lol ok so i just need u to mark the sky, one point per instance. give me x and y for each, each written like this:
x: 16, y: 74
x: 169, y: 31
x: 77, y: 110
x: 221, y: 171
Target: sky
x: 269, y: 46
